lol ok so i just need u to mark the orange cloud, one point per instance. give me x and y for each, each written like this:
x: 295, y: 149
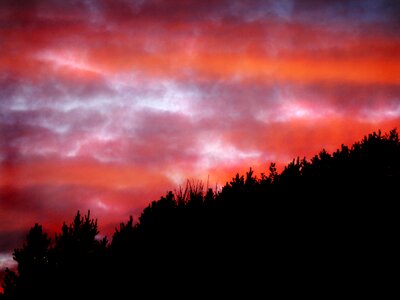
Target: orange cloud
x: 257, y: 50
x: 79, y: 173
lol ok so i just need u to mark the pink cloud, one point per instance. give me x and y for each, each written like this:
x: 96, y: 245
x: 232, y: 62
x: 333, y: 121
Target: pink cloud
x: 108, y: 104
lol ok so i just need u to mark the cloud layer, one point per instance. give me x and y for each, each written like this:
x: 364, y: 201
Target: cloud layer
x: 108, y: 104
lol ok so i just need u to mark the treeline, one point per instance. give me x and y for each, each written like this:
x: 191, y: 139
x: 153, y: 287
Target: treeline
x: 334, y: 214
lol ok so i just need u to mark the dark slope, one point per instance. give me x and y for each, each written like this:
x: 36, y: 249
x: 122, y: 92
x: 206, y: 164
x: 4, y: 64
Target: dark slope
x: 326, y: 224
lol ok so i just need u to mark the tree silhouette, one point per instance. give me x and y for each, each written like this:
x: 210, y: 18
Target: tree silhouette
x: 32, y: 261
x: 78, y: 254
x: 335, y: 214
x: 9, y: 285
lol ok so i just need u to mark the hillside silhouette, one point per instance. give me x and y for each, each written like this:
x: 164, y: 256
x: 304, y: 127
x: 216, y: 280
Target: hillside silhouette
x: 328, y: 222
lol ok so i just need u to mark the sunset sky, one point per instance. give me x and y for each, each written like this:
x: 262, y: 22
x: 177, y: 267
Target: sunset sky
x: 106, y: 105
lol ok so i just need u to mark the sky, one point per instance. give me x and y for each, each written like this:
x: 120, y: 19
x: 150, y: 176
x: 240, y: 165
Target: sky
x: 106, y: 105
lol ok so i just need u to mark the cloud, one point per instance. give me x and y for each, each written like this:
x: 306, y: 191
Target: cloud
x: 108, y: 104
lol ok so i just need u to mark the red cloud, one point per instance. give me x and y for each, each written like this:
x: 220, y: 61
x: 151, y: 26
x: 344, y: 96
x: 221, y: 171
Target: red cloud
x: 105, y: 105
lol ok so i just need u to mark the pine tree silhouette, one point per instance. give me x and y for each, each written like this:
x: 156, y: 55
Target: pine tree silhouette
x: 332, y: 217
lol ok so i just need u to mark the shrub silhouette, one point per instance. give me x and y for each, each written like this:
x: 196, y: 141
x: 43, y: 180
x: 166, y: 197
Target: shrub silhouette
x: 335, y: 214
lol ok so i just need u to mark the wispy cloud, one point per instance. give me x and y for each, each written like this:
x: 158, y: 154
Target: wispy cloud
x: 108, y: 104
